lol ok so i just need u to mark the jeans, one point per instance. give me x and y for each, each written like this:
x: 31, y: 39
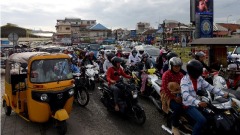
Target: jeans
x: 177, y: 110
x: 116, y: 92
x: 198, y: 117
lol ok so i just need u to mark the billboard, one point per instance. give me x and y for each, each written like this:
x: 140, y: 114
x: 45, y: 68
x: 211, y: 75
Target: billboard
x: 204, y: 6
x: 206, y: 26
x: 133, y: 33
x: 200, y: 7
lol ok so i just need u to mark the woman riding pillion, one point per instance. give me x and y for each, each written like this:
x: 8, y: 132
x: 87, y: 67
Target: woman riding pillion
x: 113, y: 75
x: 190, y: 84
x: 170, y: 100
x: 133, y: 58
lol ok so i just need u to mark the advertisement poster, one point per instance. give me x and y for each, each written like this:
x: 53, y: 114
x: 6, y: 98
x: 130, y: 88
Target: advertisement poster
x: 133, y: 33
x: 206, y: 26
x: 204, y: 6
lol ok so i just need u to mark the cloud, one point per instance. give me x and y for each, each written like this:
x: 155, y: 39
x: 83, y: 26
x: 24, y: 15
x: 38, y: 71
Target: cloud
x: 111, y: 13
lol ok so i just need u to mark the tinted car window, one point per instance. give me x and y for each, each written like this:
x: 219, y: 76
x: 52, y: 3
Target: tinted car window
x: 237, y: 50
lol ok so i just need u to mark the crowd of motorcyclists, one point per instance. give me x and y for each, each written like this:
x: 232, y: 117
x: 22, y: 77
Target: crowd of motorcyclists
x: 169, y: 66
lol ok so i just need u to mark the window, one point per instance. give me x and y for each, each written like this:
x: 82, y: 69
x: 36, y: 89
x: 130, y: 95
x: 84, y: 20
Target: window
x: 88, y: 22
x: 67, y: 28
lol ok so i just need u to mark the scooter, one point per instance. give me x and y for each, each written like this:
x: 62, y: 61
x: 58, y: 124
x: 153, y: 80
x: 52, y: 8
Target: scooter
x: 221, y: 117
x: 91, y: 72
x: 81, y: 94
x: 128, y: 102
x: 152, y: 88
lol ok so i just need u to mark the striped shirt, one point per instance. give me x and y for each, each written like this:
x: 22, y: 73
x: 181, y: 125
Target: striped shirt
x: 188, y: 93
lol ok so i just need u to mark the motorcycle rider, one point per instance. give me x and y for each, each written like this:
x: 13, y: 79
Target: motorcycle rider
x: 89, y: 59
x: 170, y: 100
x: 107, y: 63
x: 144, y: 65
x: 140, y: 53
x: 119, y: 53
x: 113, y: 75
x: 133, y: 58
x: 190, y: 84
x: 200, y: 56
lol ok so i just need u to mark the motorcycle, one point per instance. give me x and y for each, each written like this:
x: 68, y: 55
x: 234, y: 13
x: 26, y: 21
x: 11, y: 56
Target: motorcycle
x: 81, y: 94
x: 221, y: 117
x: 128, y: 103
x: 152, y: 88
x: 91, y: 73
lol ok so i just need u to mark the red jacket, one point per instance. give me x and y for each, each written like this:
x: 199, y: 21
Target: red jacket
x: 169, y: 76
x: 235, y: 83
x: 111, y: 76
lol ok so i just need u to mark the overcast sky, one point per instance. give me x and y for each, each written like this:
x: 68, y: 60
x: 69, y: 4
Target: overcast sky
x: 42, y: 14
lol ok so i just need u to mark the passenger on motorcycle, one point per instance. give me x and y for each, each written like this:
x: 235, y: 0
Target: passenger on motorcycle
x: 107, y: 63
x: 113, y: 75
x: 144, y: 65
x: 200, y: 56
x: 166, y: 64
x: 161, y: 60
x: 233, y: 79
x: 133, y: 58
x: 170, y: 100
x: 73, y: 66
x: 89, y: 59
x: 190, y: 84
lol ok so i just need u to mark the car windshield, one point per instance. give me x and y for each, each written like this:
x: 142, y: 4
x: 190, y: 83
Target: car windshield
x: 109, y: 47
x: 43, y: 71
x: 126, y: 49
x: 237, y: 50
x: 94, y: 47
x: 82, y: 46
x: 152, y: 52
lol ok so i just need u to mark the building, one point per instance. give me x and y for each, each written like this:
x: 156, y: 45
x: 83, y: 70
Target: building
x: 142, y: 26
x: 98, y: 33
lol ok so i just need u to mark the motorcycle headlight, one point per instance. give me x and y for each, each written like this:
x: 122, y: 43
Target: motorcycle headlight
x: 44, y: 97
x: 134, y: 94
x: 71, y: 92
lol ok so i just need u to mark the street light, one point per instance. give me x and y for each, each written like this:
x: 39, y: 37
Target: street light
x: 227, y: 24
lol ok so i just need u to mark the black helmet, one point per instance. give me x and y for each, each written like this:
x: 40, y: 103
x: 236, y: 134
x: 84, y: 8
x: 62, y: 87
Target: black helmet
x: 145, y: 55
x: 199, y: 54
x: 170, y: 55
x: 175, y: 61
x: 194, y: 68
x: 110, y: 56
x: 116, y: 60
x: 141, y: 51
x: 134, y: 52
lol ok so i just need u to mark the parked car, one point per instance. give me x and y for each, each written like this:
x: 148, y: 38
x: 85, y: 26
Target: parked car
x: 94, y: 48
x: 235, y: 55
x: 153, y: 54
x: 109, y: 48
x: 82, y: 45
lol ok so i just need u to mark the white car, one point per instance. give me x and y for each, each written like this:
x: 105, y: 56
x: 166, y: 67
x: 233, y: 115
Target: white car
x: 235, y: 55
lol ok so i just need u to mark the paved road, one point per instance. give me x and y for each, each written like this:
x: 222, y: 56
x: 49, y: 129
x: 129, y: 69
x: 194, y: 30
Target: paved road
x: 94, y: 119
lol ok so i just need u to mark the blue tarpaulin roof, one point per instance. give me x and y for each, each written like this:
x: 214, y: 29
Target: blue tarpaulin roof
x: 98, y: 27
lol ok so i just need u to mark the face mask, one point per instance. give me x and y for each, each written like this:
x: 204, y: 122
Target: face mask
x: 134, y: 54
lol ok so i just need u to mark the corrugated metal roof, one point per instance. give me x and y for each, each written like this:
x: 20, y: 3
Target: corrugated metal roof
x: 98, y: 27
x: 216, y: 41
x: 217, y: 27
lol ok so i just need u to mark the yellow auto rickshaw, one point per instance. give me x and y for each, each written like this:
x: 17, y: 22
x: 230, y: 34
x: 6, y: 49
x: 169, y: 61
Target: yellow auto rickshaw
x: 39, y: 86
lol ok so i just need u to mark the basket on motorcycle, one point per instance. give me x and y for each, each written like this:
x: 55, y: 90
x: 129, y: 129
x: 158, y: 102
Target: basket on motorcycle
x: 151, y: 71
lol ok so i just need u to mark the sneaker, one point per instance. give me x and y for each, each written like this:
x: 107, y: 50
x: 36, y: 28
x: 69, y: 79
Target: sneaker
x: 175, y: 131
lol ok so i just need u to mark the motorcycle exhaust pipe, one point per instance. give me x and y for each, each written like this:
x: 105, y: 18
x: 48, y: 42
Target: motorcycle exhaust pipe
x: 156, y: 103
x: 167, y: 129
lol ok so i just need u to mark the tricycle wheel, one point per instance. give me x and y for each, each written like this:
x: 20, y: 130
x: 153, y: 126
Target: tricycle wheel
x: 7, y: 109
x: 82, y: 97
x: 61, y: 127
